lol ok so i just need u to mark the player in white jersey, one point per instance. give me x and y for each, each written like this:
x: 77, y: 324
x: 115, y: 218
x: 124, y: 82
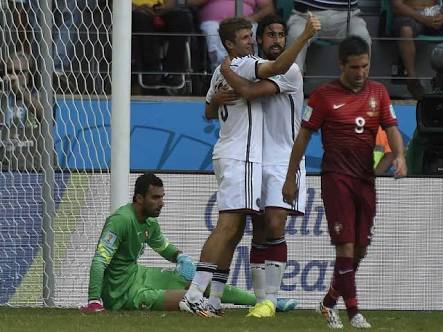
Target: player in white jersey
x: 237, y: 159
x: 282, y: 118
x: 237, y: 154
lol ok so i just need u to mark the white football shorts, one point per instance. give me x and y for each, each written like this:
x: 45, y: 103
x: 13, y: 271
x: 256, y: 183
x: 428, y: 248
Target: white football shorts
x: 239, y: 184
x: 273, y: 179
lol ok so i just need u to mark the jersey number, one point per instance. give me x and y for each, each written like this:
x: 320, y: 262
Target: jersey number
x: 224, y: 113
x: 359, y: 125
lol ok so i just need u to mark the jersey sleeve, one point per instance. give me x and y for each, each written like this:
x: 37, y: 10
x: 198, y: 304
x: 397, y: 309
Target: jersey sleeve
x: 290, y: 82
x: 159, y: 243
x: 112, y: 235
x: 314, y: 113
x: 211, y: 91
x: 388, y: 118
x: 247, y: 68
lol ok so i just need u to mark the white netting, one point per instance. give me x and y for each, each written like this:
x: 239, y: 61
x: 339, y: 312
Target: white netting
x: 79, y: 67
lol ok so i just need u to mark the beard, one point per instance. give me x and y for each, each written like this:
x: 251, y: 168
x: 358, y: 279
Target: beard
x: 152, y: 213
x: 273, y: 52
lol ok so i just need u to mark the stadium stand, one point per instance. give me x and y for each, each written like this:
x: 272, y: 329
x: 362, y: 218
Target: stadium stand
x: 385, y: 59
x: 91, y: 65
x: 385, y: 64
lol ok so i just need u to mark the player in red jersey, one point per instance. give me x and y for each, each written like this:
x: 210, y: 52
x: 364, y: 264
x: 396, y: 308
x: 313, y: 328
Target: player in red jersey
x: 348, y: 111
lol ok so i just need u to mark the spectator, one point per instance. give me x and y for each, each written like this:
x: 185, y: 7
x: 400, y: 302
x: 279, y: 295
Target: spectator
x: 333, y: 18
x: 15, y: 26
x: 151, y: 19
x: 383, y: 156
x: 413, y: 17
x: 214, y: 11
x: 20, y: 116
x: 70, y: 18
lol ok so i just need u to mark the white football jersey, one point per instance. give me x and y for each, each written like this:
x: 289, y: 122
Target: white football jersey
x: 241, y: 124
x: 282, y: 117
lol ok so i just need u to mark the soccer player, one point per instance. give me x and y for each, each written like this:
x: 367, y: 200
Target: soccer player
x: 237, y: 159
x: 116, y: 281
x: 348, y: 111
x: 282, y: 116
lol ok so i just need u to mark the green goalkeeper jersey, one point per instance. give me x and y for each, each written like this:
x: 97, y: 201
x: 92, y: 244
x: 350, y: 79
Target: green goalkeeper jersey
x: 114, y: 268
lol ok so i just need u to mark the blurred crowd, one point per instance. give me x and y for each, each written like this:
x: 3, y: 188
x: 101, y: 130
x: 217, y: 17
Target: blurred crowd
x: 172, y: 39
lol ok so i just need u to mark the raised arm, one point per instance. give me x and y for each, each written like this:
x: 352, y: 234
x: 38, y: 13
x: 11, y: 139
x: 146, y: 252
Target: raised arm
x: 245, y: 88
x: 396, y: 143
x: 287, y: 58
x: 289, y: 190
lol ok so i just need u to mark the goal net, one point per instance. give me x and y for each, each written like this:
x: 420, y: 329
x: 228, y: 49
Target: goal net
x: 35, y: 176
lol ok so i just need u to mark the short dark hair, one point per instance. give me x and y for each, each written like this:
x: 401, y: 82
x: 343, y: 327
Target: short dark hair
x: 144, y: 181
x: 229, y: 27
x: 267, y: 21
x: 352, y: 45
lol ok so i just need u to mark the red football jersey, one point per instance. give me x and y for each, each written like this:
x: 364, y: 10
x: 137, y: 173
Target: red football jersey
x: 349, y: 122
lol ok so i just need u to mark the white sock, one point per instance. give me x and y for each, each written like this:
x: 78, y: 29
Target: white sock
x: 258, y: 281
x: 198, y: 286
x: 216, y: 293
x: 274, y: 273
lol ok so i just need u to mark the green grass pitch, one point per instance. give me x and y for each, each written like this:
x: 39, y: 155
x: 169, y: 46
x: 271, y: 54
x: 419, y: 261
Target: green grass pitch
x: 67, y: 320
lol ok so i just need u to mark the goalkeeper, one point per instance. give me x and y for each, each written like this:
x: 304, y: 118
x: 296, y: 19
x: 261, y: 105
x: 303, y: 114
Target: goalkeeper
x: 117, y: 282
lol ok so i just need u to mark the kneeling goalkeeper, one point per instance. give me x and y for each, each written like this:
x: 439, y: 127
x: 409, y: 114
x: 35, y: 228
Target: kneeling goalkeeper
x: 117, y: 282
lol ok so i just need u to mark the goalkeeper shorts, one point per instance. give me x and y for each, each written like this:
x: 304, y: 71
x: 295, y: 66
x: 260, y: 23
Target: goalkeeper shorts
x: 148, y: 290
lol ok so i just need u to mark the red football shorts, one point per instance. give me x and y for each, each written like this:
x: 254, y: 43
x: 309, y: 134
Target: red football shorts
x: 350, y: 208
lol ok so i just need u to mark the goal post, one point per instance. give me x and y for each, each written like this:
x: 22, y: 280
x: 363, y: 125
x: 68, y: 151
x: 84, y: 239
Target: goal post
x: 47, y: 167
x: 120, y: 118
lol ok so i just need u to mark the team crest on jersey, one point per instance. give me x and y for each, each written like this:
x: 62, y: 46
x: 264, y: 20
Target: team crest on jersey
x: 373, y: 107
x: 307, y: 113
x: 337, y: 228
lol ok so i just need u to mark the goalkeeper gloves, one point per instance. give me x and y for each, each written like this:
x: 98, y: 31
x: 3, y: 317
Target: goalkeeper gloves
x: 185, y: 267
x: 92, y: 306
